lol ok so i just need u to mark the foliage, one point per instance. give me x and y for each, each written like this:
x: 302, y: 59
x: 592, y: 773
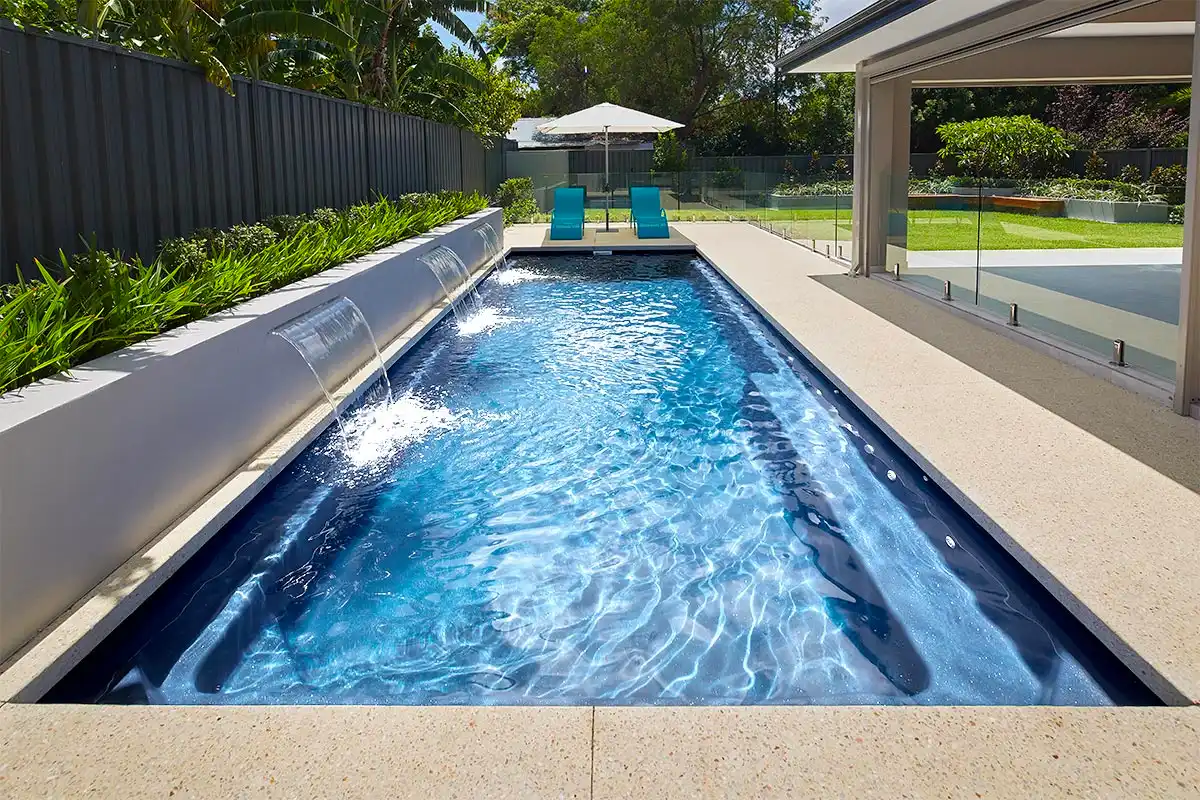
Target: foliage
x: 1096, y: 168
x: 1130, y: 173
x: 375, y: 51
x: 515, y: 196
x: 932, y: 108
x: 682, y: 61
x: 1018, y: 147
x: 1100, y: 118
x: 669, y: 154
x: 105, y: 302
x: 1177, y: 215
x: 814, y: 188
x: 1087, y: 189
x: 1170, y: 181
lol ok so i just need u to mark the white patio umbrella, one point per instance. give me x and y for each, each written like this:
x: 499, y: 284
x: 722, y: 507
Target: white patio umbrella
x: 605, y: 118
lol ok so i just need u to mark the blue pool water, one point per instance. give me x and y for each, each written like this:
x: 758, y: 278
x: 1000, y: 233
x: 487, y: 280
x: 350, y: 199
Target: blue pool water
x: 614, y: 485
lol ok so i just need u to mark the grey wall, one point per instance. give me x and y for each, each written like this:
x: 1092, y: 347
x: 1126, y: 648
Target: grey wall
x: 93, y: 468
x: 136, y: 149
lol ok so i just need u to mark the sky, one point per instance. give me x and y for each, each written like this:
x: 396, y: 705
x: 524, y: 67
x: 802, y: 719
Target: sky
x: 836, y: 10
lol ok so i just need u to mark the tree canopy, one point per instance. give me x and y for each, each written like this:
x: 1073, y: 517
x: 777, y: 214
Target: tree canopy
x: 376, y: 51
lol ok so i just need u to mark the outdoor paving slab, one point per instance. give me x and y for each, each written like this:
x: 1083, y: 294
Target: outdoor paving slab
x: 381, y: 753
x: 869, y: 752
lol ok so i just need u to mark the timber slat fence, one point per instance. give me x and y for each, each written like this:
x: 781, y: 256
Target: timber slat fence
x: 135, y: 149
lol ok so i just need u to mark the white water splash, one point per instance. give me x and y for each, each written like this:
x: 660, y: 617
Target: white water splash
x: 482, y: 320
x: 515, y: 275
x: 376, y: 434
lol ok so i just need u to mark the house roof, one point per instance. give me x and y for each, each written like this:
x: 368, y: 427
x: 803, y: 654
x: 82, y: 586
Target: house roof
x: 878, y: 28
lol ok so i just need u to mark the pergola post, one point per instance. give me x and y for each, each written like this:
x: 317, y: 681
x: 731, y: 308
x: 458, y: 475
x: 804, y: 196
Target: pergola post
x: 1187, y: 367
x: 882, y: 132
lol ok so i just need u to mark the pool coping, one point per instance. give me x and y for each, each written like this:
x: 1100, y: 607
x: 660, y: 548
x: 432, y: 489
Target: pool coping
x: 584, y: 751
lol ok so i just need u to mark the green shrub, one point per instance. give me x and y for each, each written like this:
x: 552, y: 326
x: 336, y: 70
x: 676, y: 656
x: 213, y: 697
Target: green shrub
x: 1085, y: 189
x: 669, y: 154
x: 1171, y: 182
x: 187, y: 255
x: 1177, y: 214
x: 244, y: 239
x: 326, y: 217
x: 515, y: 196
x: 1130, y: 173
x: 1096, y: 167
x: 814, y: 188
x: 105, y: 302
x: 1016, y: 147
x: 286, y: 224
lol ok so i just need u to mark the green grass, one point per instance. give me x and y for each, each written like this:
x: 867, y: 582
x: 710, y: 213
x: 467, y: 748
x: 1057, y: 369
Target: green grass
x: 943, y: 230
x: 104, y: 302
x: 959, y: 230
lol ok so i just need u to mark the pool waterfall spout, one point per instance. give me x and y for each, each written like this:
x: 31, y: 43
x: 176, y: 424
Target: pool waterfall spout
x: 329, y: 336
x: 451, y: 274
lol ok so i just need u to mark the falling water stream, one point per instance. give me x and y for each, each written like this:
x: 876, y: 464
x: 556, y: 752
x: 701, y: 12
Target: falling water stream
x: 492, y: 244
x: 327, y: 337
x: 452, y: 273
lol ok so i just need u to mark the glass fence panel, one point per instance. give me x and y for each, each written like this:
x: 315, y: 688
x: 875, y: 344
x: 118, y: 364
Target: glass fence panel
x: 1089, y: 272
x: 942, y: 247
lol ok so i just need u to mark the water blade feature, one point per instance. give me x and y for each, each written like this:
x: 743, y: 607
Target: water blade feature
x: 492, y: 243
x: 333, y: 339
x: 451, y: 274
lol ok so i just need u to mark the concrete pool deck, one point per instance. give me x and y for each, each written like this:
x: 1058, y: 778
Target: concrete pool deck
x: 1094, y: 487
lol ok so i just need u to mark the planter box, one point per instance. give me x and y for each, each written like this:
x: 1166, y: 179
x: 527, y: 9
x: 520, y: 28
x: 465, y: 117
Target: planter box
x: 1117, y: 211
x: 988, y: 191
x: 94, y: 466
x: 791, y: 202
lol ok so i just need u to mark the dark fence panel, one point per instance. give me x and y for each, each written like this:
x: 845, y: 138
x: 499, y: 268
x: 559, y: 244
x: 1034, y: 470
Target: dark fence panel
x: 133, y: 149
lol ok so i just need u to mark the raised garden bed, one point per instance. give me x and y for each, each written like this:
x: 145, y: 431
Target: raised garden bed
x: 111, y: 456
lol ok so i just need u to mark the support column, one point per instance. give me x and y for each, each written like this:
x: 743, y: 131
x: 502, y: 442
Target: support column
x: 1187, y: 367
x: 882, y: 132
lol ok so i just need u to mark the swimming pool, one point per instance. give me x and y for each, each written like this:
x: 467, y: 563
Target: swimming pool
x: 612, y: 485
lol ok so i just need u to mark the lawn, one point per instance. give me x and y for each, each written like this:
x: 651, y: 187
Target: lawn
x: 944, y: 230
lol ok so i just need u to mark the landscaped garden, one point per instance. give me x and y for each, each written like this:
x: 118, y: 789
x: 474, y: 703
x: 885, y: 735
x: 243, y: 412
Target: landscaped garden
x: 99, y: 301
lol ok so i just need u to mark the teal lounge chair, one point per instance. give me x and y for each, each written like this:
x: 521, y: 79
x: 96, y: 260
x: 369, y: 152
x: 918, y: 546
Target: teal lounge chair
x: 648, y: 216
x: 566, y: 221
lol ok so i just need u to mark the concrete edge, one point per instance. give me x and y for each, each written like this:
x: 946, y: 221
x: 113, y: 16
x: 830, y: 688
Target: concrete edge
x: 1143, y: 669
x: 34, y: 669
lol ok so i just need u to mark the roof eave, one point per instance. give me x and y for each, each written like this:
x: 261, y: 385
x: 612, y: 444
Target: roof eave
x: 870, y: 18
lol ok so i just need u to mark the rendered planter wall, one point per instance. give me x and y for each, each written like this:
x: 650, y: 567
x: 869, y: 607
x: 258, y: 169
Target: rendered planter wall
x: 1117, y: 211
x: 94, y: 467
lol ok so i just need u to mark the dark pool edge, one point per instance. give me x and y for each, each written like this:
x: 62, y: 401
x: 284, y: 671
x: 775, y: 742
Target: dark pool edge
x: 1142, y: 669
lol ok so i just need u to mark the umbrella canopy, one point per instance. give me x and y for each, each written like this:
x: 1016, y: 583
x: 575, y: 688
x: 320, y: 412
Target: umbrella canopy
x: 608, y: 117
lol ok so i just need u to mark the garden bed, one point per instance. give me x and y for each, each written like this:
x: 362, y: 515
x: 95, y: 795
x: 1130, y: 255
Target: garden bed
x: 133, y: 439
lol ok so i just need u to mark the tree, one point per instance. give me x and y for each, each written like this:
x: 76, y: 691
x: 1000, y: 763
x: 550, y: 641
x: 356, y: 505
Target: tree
x: 681, y: 59
x: 1003, y: 147
x: 1097, y: 119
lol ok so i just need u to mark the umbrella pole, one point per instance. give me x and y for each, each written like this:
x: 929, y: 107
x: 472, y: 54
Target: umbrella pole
x: 607, y: 187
